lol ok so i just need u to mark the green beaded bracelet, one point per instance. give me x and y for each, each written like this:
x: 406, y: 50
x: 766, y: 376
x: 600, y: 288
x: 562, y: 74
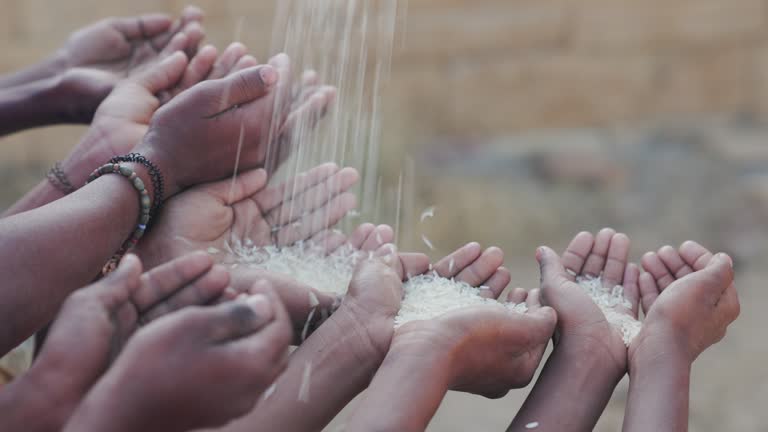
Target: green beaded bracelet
x: 145, y: 202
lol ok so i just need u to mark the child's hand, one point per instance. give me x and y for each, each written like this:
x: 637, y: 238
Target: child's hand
x: 198, y: 136
x: 689, y: 300
x: 488, y: 350
x: 581, y: 324
x: 95, y: 322
x: 200, y: 367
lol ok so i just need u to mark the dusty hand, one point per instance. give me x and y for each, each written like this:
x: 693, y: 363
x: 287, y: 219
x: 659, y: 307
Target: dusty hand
x: 580, y: 320
x: 689, y: 299
x: 488, y: 349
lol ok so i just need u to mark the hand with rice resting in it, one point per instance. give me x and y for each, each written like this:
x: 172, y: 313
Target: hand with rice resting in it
x: 689, y: 300
x: 485, y: 350
x: 590, y: 357
x: 91, y: 329
x: 221, y: 213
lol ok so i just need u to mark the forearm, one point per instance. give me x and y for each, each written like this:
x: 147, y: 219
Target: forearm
x: 49, y: 252
x: 324, y: 374
x: 30, y: 105
x: 39, y: 196
x: 105, y: 408
x: 571, y: 393
x: 47, y: 68
x: 659, y: 389
x: 404, y: 395
x: 23, y: 401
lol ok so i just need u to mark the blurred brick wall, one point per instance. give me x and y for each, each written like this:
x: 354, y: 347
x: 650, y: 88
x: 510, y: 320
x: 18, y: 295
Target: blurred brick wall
x: 485, y: 67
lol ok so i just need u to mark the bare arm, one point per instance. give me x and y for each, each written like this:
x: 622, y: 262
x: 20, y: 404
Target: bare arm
x: 47, y: 253
x: 36, y: 104
x: 45, y: 69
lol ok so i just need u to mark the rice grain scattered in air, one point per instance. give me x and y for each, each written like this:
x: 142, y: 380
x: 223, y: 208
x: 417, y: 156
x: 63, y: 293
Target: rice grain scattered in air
x: 304, y: 389
x: 428, y: 213
x: 306, y: 324
x: 213, y: 251
x: 532, y: 425
x: 269, y: 392
x: 427, y: 242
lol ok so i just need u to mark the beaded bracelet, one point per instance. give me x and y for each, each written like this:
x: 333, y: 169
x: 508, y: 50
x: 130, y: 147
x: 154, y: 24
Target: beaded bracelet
x: 58, y: 179
x: 158, y: 183
x: 144, y: 216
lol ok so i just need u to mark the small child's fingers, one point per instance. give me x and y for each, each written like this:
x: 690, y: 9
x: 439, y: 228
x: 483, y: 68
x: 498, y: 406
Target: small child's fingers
x: 317, y: 220
x: 414, y: 264
x: 533, y: 300
x: 517, y: 296
x: 360, y: 235
x: 695, y: 255
x: 120, y: 285
x: 653, y: 265
x: 201, y: 291
x: 576, y: 254
x: 649, y: 291
x: 381, y: 235
x: 483, y: 268
x: 316, y: 197
x: 245, y: 62
x: 163, y: 281
x: 310, y: 78
x: 496, y: 283
x: 164, y: 75
x: 308, y: 114
x: 596, y: 260
x: 329, y: 240
x: 454, y: 263
x: 199, y: 67
x: 195, y: 34
x: 177, y: 43
x: 145, y: 26
x: 616, y: 262
x: 631, y: 282
x: 728, y: 306
x: 273, y: 197
x: 674, y: 262
x: 237, y: 319
x: 227, y: 60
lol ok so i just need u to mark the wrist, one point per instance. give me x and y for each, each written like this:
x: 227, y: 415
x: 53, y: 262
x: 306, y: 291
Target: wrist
x: 372, y: 335
x: 163, y: 162
x: 593, y: 352
x: 650, y: 353
x: 28, y: 396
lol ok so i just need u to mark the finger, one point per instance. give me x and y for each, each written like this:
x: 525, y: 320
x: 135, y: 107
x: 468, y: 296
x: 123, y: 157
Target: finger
x: 199, y: 67
x: 383, y: 234
x: 195, y: 34
x: 695, y: 255
x: 310, y: 78
x: 533, y: 300
x: 717, y: 276
x: 317, y: 220
x: 192, y: 13
x: 728, y: 307
x: 307, y: 115
x: 119, y: 286
x: 145, y: 26
x: 674, y: 262
x: 242, y: 88
x: 329, y: 240
x: 314, y: 198
x: 496, y: 283
x: 226, y: 62
x: 414, y: 264
x: 649, y: 291
x: 596, y: 260
x: 653, y: 265
x: 272, y: 197
x: 631, y: 279
x: 616, y: 262
x: 245, y: 62
x: 177, y: 43
x: 189, y: 14
x: 163, y: 281
x: 576, y: 254
x: 282, y: 64
x: 229, y: 321
x: 517, y: 296
x: 483, y: 268
x: 165, y: 75
x: 243, y: 186
x: 203, y: 290
x: 553, y: 275
x: 360, y: 234
x: 456, y: 262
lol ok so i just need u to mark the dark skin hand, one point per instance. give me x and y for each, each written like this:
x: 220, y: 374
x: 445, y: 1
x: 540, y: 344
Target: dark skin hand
x: 200, y: 367
x: 98, y: 320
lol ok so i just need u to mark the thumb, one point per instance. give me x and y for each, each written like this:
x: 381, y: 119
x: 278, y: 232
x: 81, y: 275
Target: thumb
x: 243, y: 87
x: 718, y: 275
x: 228, y: 321
x: 553, y: 275
x: 165, y: 74
x: 243, y: 186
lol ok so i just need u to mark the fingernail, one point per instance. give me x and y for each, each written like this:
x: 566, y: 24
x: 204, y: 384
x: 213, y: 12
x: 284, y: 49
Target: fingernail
x: 260, y: 304
x: 268, y: 75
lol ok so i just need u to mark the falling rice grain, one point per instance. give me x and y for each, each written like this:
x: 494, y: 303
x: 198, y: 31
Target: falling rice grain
x: 428, y: 213
x: 269, y: 392
x: 306, y: 325
x: 427, y: 242
x: 304, y: 389
x: 313, y: 301
x: 213, y: 251
x: 532, y: 425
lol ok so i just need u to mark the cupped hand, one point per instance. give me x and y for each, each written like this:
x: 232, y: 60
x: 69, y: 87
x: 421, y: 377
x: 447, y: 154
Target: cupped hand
x: 233, y: 351
x: 220, y: 126
x: 219, y: 215
x: 96, y: 58
x: 580, y: 321
x: 489, y: 349
x: 122, y: 120
x: 689, y: 299
x: 95, y: 322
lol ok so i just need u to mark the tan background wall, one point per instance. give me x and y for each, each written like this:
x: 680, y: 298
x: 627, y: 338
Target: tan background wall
x: 563, y: 115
